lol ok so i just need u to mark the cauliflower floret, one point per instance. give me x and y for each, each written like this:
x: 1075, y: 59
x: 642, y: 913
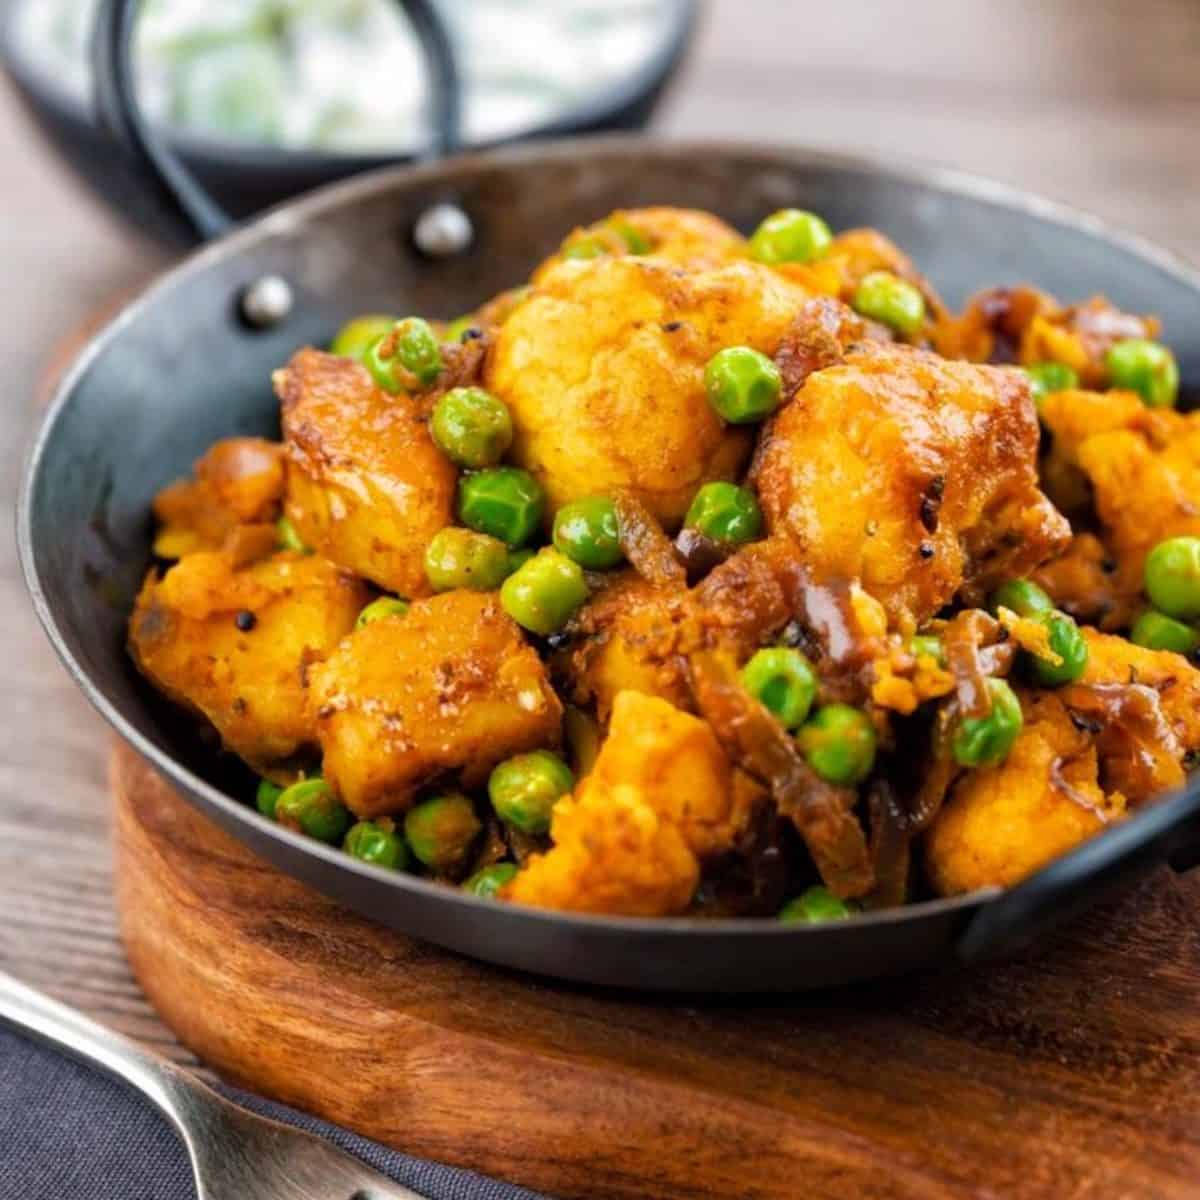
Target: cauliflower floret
x: 660, y: 798
x: 603, y: 371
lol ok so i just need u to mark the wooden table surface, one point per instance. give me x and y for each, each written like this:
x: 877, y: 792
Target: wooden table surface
x: 1096, y: 102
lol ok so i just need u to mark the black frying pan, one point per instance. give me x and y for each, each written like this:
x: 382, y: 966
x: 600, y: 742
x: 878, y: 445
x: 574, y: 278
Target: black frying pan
x: 183, y: 367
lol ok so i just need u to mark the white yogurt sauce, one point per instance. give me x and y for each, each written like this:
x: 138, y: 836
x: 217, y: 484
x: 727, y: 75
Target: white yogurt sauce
x: 346, y: 75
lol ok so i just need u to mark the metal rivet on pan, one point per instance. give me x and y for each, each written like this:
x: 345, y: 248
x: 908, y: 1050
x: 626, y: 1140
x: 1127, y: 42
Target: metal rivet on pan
x: 267, y: 301
x: 442, y: 231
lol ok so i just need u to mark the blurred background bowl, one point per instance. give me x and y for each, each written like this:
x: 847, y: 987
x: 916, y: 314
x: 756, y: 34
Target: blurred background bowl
x: 613, y: 62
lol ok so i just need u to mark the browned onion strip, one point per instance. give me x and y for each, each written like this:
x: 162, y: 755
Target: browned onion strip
x: 644, y: 544
x: 939, y: 775
x: 963, y: 638
x: 891, y: 847
x: 1140, y: 751
x: 757, y: 742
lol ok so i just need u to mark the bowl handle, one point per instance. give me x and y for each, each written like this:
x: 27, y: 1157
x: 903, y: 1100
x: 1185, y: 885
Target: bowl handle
x: 171, y: 184
x: 1168, y: 830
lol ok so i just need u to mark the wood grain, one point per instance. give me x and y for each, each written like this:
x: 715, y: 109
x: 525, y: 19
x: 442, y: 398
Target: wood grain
x: 1094, y: 101
x: 1076, y: 1074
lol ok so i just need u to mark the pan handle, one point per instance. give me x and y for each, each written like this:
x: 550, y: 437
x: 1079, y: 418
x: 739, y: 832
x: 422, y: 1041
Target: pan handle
x: 171, y: 184
x: 1169, y: 830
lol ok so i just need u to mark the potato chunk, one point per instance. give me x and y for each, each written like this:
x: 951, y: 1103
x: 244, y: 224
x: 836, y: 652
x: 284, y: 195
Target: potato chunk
x: 366, y: 486
x: 909, y: 474
x: 603, y: 371
x: 450, y: 687
x: 232, y: 502
x: 660, y: 798
x: 1089, y: 751
x: 235, y: 643
x: 1003, y: 823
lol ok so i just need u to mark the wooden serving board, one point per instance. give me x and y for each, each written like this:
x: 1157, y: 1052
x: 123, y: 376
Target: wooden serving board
x: 1073, y: 1075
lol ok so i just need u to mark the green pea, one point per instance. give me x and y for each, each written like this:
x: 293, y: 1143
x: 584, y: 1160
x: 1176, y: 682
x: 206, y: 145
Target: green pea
x: 311, y: 807
x: 926, y: 645
x: 1068, y: 643
x: 289, y: 537
x: 542, y: 594
x: 518, y: 558
x: 377, y: 842
x: 1147, y: 368
x: 1048, y: 377
x: 459, y: 558
x: 352, y: 340
x: 636, y: 242
x: 890, y: 300
x: 742, y: 385
x: 587, y: 531
x: 486, y: 883
x: 815, y: 905
x: 725, y: 512
x: 441, y: 830
x: 409, y: 351
x: 986, y: 741
x: 377, y: 610
x: 1021, y: 596
x: 585, y: 247
x: 525, y: 789
x: 472, y: 427
x: 267, y: 797
x: 1172, y: 577
x: 839, y: 744
x: 503, y: 502
x: 790, y: 235
x: 784, y: 682
x: 1157, y: 631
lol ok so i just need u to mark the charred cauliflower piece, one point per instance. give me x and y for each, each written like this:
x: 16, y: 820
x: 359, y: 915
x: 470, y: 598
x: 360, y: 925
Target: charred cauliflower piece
x: 661, y: 797
x: 451, y: 687
x: 232, y: 501
x: 603, y: 371
x: 912, y: 475
x: 366, y: 486
x: 236, y: 643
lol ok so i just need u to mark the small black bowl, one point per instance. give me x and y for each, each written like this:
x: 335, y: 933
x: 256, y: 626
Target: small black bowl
x: 245, y: 179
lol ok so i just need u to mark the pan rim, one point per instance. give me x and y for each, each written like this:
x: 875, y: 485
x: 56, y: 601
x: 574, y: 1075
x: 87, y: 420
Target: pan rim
x: 285, y: 218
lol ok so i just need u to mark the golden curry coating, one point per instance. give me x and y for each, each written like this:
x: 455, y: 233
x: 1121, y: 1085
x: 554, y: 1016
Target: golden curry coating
x: 236, y: 643
x: 1142, y: 465
x: 603, y: 371
x: 366, y: 486
x: 1003, y: 823
x: 910, y: 474
x: 660, y: 798
x: 450, y: 687
x: 232, y: 501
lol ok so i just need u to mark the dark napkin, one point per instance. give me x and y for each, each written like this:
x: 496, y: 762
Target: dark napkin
x: 70, y: 1133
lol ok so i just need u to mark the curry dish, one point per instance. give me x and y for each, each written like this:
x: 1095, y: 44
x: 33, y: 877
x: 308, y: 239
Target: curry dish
x: 702, y: 575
